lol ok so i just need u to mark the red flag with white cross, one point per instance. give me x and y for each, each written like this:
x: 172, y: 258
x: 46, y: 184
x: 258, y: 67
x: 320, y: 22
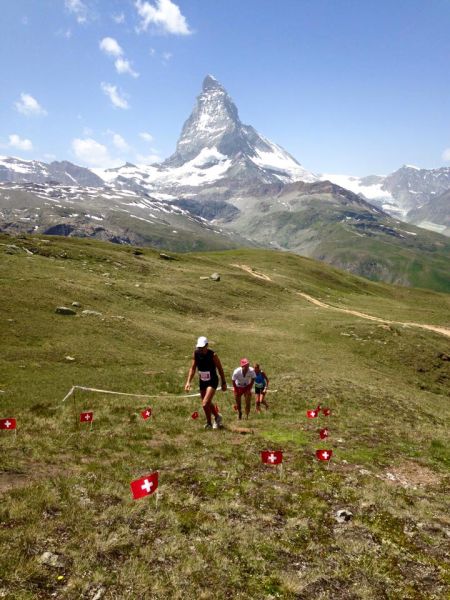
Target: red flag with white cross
x: 86, y: 417
x: 145, y: 414
x: 324, y: 433
x: 194, y: 415
x: 145, y: 486
x: 326, y: 412
x: 324, y: 454
x: 272, y: 457
x: 312, y: 414
x: 8, y: 424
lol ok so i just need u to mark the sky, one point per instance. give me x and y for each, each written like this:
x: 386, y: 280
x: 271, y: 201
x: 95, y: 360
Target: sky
x: 355, y: 87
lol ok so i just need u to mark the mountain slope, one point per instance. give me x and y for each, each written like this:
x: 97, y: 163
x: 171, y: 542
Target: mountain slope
x: 329, y: 223
x: 412, y: 194
x: 259, y: 531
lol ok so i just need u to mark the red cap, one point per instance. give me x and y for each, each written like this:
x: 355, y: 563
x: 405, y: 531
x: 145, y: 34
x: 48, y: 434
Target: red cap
x: 244, y: 362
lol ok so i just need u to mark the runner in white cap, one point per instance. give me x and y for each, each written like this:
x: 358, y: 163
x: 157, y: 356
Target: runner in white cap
x: 208, y: 363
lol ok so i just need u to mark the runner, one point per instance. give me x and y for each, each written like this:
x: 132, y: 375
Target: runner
x: 243, y: 378
x: 261, y: 385
x: 208, y: 363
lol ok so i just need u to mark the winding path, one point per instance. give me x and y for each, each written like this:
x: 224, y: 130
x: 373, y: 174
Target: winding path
x: 437, y: 329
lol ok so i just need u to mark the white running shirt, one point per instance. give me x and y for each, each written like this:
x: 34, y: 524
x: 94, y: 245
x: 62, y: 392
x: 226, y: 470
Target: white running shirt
x: 243, y: 380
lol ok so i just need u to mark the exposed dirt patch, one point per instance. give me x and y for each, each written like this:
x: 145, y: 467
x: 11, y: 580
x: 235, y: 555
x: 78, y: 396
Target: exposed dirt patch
x: 410, y: 474
x: 11, y: 480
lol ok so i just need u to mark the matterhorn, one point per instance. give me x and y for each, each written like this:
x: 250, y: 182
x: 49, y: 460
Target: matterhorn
x: 215, y: 150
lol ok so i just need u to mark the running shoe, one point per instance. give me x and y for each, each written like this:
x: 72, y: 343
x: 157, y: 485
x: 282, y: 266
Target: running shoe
x: 208, y: 426
x: 218, y: 423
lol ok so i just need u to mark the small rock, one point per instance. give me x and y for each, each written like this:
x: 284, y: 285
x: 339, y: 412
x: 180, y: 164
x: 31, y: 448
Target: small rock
x: 69, y: 358
x: 91, y: 313
x: 77, y: 304
x: 343, y: 515
x: 51, y: 560
x: 65, y: 310
x: 137, y: 252
x: 99, y: 593
x: 166, y: 256
x: 215, y: 277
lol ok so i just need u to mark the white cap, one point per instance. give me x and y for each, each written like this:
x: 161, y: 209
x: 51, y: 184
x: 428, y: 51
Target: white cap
x: 202, y: 341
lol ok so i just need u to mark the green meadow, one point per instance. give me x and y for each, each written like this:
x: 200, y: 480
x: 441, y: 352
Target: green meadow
x: 222, y: 525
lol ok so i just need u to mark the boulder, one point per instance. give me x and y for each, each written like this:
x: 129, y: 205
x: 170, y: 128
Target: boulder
x: 215, y: 277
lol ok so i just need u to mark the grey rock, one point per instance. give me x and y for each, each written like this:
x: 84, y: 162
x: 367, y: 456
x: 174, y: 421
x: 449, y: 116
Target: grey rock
x: 91, y: 313
x: 76, y: 304
x: 51, y: 560
x: 343, y: 515
x: 65, y: 310
x: 69, y: 358
x: 215, y: 277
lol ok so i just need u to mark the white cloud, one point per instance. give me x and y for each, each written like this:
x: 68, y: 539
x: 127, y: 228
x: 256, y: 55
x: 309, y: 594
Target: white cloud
x: 29, y: 106
x: 78, y: 8
x: 111, y: 47
x: 119, y: 142
x: 124, y: 66
x: 167, y: 56
x: 91, y: 153
x: 114, y: 95
x: 446, y: 154
x: 147, y: 137
x: 166, y: 15
x: 118, y: 18
x: 16, y: 141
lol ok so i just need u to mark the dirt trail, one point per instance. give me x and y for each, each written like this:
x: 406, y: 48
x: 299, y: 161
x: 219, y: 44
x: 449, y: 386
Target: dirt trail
x: 442, y: 330
x: 253, y: 272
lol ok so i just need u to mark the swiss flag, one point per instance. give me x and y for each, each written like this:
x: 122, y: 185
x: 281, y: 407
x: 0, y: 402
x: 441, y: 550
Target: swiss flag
x: 145, y: 414
x: 8, y: 424
x: 195, y: 415
x: 324, y: 433
x: 312, y: 414
x: 272, y: 457
x: 326, y: 412
x: 145, y: 486
x: 86, y: 417
x: 324, y: 454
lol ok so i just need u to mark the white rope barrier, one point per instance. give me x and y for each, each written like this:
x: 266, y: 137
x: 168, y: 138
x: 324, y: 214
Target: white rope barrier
x: 88, y: 389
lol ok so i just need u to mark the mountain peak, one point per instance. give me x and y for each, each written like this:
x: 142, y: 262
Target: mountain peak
x: 210, y: 83
x: 214, y: 130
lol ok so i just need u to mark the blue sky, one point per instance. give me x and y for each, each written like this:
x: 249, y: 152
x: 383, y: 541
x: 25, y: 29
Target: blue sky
x: 346, y: 86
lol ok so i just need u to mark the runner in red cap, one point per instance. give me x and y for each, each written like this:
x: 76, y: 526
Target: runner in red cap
x: 243, y: 378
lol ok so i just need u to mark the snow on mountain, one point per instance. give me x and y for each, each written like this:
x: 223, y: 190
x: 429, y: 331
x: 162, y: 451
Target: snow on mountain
x: 214, y: 146
x: 18, y: 170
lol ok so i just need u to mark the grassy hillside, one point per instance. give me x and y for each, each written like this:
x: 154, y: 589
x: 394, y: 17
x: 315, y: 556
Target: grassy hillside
x: 224, y: 526
x: 347, y: 234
